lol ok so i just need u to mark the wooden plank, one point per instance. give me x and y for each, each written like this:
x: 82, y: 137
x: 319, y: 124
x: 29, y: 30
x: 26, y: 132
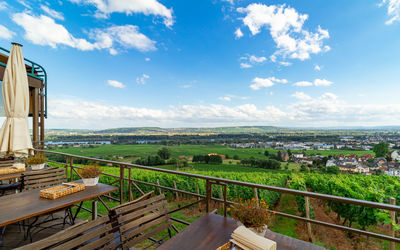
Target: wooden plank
x: 30, y: 177
x: 125, y: 209
x: 146, y: 236
x: 126, y: 236
x: 45, y: 179
x: 28, y: 204
x: 142, y: 220
x: 101, y: 242
x: 32, y: 82
x: 35, y: 116
x: 141, y: 198
x: 392, y: 245
x: 75, y: 242
x: 44, y: 184
x: 130, y: 216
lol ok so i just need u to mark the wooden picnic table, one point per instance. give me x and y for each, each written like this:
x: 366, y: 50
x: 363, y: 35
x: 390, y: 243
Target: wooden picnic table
x: 28, y: 204
x: 212, y: 231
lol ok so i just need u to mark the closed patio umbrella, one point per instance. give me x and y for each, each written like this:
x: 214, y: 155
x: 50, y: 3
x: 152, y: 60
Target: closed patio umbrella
x: 14, y: 135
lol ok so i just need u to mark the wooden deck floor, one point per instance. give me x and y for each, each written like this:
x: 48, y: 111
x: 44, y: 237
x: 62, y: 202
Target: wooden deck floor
x: 14, y: 236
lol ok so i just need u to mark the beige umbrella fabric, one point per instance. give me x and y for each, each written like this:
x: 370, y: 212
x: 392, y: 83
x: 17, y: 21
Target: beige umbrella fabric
x: 14, y: 135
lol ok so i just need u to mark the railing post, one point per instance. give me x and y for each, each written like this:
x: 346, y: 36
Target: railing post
x: 94, y: 209
x: 198, y: 190
x: 121, y: 184
x: 71, y: 171
x: 256, y: 196
x: 66, y: 167
x: 158, y: 184
x: 208, y: 195
x: 393, y: 217
x: 130, y: 184
x: 225, y: 198
x: 176, y: 193
x: 307, y: 201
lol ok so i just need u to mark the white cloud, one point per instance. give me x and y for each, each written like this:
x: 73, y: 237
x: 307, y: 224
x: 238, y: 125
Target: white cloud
x: 147, y: 59
x: 127, y: 36
x: 322, y: 82
x: 122, y: 37
x: 142, y: 79
x: 326, y: 110
x: 285, y: 25
x: 116, y: 84
x: 229, y: 1
x: 393, y: 10
x: 301, y: 96
x: 225, y: 98
x: 285, y: 63
x: 317, y: 67
x: 303, y: 84
x: 3, y: 5
x: 5, y: 33
x: 255, y: 59
x: 146, y: 7
x: 251, y: 60
x: 52, y: 13
x: 245, y: 65
x: 259, y: 83
x: 238, y: 33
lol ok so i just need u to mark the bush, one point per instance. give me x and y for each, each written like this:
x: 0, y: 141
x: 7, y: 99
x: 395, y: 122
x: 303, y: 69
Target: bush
x: 260, y: 163
x: 208, y: 159
x: 150, y: 161
x: 164, y: 153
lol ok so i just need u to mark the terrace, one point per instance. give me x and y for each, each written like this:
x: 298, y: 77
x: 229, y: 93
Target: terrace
x: 214, y: 194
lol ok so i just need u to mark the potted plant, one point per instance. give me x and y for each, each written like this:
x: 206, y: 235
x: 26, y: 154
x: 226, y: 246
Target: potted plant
x: 90, y: 174
x: 36, y: 161
x: 253, y: 214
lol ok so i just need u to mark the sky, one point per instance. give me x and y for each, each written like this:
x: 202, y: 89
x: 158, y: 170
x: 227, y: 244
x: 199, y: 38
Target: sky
x: 164, y: 63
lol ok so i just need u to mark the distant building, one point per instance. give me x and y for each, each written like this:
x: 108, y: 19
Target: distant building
x: 284, y: 155
x: 394, y: 155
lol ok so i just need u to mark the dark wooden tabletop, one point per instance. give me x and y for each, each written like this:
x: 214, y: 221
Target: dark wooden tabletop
x: 4, y: 177
x: 212, y: 231
x: 28, y: 204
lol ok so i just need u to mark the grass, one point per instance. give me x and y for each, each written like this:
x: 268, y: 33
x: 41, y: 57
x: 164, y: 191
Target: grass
x: 131, y: 152
x: 284, y: 225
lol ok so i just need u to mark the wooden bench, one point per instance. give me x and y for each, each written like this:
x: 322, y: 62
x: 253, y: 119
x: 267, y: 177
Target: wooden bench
x: 95, y: 234
x: 141, y: 220
x: 43, y: 178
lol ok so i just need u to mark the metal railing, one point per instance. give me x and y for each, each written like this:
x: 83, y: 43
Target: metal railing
x: 208, y: 197
x: 36, y: 71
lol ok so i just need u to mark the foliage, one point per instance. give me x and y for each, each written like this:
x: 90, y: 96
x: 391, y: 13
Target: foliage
x: 381, y: 149
x: 150, y: 161
x: 297, y: 182
x: 261, y: 163
x: 90, y: 171
x: 251, y: 213
x: 208, y: 158
x: 164, y: 153
x: 36, y: 159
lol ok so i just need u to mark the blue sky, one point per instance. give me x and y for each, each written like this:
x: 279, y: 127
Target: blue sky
x: 212, y: 63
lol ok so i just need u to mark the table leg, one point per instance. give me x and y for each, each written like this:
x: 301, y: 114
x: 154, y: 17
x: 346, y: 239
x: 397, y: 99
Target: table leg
x: 94, y: 209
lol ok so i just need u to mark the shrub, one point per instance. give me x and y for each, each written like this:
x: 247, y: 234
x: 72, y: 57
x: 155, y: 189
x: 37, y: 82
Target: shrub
x: 36, y: 159
x: 90, y: 171
x: 251, y: 213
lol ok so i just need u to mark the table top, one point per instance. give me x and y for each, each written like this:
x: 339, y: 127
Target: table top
x: 28, y: 204
x: 212, y: 231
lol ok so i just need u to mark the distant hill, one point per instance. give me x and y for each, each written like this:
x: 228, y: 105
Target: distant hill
x: 220, y: 130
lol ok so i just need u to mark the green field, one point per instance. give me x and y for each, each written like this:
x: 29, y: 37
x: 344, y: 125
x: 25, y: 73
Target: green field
x: 130, y: 152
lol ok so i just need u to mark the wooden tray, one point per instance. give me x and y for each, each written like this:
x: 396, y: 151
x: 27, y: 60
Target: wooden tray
x: 61, y: 190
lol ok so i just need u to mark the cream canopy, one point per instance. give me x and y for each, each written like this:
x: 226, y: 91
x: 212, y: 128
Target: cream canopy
x: 14, y: 135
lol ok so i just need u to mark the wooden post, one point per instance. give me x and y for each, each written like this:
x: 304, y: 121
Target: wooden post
x: 35, y: 117
x: 208, y: 195
x: 393, y: 217
x: 225, y: 198
x: 71, y: 171
x: 176, y: 193
x: 66, y: 167
x: 94, y: 209
x: 256, y: 196
x: 198, y: 190
x: 42, y: 108
x: 307, y: 200
x: 121, y: 184
x: 130, y: 184
x: 220, y: 192
x: 158, y: 184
